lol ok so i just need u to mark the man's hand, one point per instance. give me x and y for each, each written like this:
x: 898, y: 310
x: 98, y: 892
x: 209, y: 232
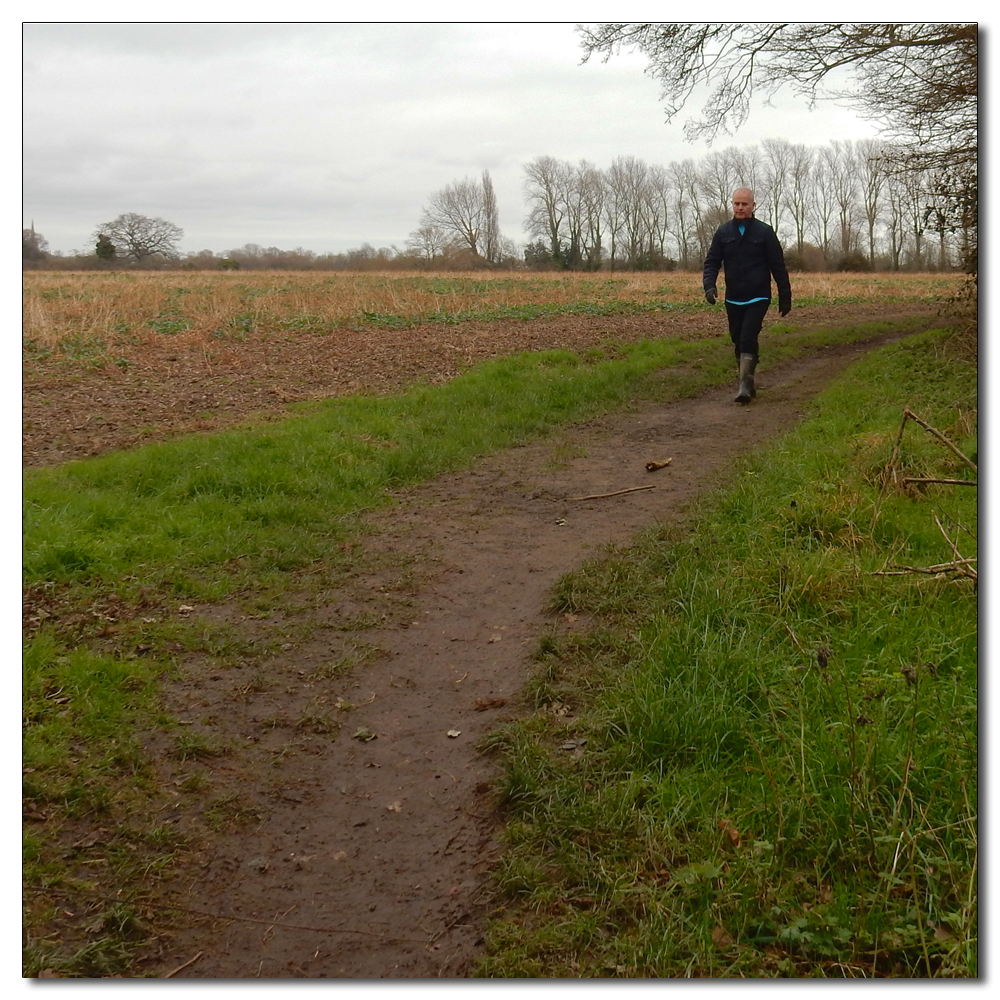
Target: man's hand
x: 711, y: 295
x: 784, y: 308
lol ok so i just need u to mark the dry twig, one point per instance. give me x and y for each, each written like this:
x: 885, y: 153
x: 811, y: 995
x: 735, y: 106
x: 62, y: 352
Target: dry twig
x: 907, y: 412
x: 181, y: 968
x: 601, y: 496
x: 961, y: 565
x: 945, y: 482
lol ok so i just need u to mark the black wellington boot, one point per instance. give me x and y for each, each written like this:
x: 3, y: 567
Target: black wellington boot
x: 748, y: 364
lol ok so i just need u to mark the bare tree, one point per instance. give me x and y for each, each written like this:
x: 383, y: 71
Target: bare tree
x: 546, y: 185
x: 823, y: 202
x: 138, y: 236
x: 627, y: 208
x: 837, y: 197
x: 872, y: 162
x: 718, y: 179
x: 574, y: 252
x: 904, y: 220
x: 748, y: 171
x: 589, y: 194
x: 898, y: 194
x: 841, y: 177
x: 429, y: 242
x: 914, y: 203
x: 458, y: 209
x: 919, y: 80
x: 779, y: 156
x: 937, y: 215
x: 659, y: 200
x: 800, y: 169
x: 686, y: 214
x: 491, y: 221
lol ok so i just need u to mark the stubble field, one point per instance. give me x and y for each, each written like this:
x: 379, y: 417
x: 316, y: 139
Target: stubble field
x: 121, y: 314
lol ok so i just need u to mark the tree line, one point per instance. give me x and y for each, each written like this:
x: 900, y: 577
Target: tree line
x: 906, y: 201
x: 841, y: 206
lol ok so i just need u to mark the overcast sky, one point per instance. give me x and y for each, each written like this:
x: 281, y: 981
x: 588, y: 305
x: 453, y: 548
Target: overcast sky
x: 326, y: 136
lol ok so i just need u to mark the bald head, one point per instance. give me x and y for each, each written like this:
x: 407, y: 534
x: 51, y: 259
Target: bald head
x: 743, y: 203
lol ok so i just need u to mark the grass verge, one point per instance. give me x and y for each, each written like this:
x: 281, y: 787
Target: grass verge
x: 760, y: 760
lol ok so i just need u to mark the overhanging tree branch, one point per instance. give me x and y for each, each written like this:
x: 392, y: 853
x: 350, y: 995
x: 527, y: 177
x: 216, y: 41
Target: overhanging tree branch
x: 918, y: 80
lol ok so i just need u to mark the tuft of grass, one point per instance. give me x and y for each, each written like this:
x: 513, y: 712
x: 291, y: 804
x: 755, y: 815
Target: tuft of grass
x: 71, y: 691
x: 196, y: 746
x: 770, y: 768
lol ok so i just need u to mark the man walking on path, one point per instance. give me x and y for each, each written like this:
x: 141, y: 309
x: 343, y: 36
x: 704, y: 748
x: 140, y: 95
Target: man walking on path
x: 751, y: 255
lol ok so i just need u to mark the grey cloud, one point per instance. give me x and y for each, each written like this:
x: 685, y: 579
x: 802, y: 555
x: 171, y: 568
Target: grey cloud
x: 318, y: 135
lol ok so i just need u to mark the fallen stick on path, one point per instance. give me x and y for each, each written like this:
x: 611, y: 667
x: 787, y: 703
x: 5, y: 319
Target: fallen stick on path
x: 601, y: 496
x: 180, y: 968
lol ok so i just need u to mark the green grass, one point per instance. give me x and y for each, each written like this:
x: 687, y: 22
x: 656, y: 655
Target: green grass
x: 272, y: 499
x: 67, y: 692
x: 769, y: 768
x: 204, y: 515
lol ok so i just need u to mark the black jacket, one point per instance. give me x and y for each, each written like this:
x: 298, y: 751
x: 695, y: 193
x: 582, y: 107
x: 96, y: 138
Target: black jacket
x: 749, y: 260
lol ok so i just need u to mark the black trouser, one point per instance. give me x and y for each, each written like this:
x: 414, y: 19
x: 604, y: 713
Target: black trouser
x: 744, y: 326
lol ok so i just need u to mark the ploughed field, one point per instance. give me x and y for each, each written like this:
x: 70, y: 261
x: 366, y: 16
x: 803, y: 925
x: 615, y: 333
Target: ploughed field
x: 117, y: 359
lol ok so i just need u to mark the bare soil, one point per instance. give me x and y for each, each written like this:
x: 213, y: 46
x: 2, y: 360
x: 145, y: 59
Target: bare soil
x: 77, y: 409
x: 362, y: 831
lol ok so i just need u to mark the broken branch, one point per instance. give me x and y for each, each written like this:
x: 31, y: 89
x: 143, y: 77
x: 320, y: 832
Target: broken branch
x: 601, y: 496
x: 895, y: 449
x: 180, y: 968
x: 908, y: 414
x: 961, y: 564
x: 946, y: 482
x: 962, y: 567
x: 927, y: 427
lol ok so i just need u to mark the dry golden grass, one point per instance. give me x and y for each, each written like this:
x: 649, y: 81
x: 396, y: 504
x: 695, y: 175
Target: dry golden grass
x: 101, y: 309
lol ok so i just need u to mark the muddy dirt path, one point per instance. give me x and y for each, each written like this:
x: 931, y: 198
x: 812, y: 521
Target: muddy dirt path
x: 371, y: 855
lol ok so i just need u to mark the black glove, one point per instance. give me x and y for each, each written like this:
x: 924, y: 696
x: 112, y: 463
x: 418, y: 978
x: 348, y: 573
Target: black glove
x: 784, y: 308
x: 711, y: 295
